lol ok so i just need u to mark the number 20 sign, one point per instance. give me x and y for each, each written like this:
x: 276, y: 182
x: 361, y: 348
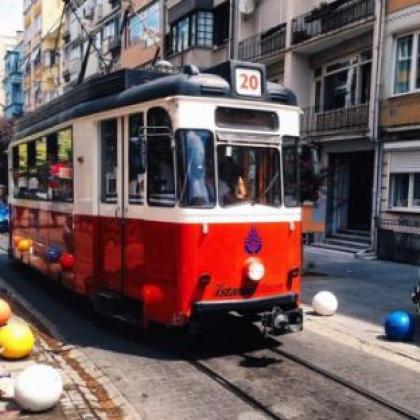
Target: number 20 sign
x: 248, y: 82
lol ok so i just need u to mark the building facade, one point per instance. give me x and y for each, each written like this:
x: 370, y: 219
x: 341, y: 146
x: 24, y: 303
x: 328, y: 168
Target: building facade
x: 6, y: 43
x: 325, y: 52
x: 398, y: 218
x: 13, y: 79
x: 91, y: 39
x: 40, y: 63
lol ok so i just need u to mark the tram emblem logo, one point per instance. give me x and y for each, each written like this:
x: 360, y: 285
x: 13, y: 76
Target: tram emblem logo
x: 253, y: 242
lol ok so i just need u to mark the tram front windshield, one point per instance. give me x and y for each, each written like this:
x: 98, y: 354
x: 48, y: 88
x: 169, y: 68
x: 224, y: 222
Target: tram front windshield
x: 246, y: 174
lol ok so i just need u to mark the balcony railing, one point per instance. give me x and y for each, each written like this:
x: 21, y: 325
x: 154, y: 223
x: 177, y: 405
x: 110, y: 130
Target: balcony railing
x: 330, y: 17
x: 348, y: 120
x: 263, y: 44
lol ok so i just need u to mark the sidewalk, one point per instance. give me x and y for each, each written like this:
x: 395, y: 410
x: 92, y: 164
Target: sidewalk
x: 87, y: 393
x: 366, y: 292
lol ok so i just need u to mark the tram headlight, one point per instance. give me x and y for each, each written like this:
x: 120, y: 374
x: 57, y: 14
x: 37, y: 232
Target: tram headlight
x: 256, y: 270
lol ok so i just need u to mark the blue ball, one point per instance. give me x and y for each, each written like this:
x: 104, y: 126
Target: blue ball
x: 53, y: 254
x: 400, y: 326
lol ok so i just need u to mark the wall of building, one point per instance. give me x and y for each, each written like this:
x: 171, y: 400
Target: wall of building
x: 6, y: 42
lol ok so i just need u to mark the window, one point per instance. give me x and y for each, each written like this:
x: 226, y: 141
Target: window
x: 403, y: 64
x: 196, y: 168
x: 160, y: 169
x: 109, y: 155
x: 290, y: 171
x: 246, y: 119
x: 407, y: 63
x: 221, y: 24
x: 248, y: 175
x: 136, y: 159
x: 43, y: 168
x: 20, y: 167
x: 344, y: 83
x: 145, y: 26
x: 195, y: 30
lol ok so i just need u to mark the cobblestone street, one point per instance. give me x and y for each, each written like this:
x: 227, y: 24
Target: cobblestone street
x: 166, y: 376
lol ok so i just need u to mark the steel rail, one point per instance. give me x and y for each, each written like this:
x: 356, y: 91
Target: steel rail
x: 240, y: 393
x: 349, y: 384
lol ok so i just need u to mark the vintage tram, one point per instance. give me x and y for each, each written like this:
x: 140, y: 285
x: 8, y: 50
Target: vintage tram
x: 165, y: 197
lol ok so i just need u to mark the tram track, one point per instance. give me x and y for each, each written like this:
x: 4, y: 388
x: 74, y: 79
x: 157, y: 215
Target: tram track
x: 254, y: 402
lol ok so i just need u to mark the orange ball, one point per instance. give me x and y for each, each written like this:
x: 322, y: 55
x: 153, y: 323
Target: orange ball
x: 24, y: 245
x: 17, y: 239
x: 5, y: 312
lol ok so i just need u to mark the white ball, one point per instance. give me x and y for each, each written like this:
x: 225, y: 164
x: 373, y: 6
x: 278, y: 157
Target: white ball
x: 38, y: 388
x: 324, y: 303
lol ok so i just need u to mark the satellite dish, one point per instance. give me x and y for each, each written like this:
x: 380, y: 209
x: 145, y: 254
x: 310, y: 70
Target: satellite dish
x: 246, y: 7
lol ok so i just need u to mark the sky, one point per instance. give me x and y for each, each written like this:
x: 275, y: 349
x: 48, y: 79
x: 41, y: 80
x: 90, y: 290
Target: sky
x: 11, y: 16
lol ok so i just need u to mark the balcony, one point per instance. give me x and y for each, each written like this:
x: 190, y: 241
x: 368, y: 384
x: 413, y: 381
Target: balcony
x: 330, y: 17
x: 400, y: 111
x: 263, y: 45
x: 349, y: 120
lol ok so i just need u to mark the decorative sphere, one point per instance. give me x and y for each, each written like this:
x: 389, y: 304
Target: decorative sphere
x: 24, y: 245
x: 400, y: 325
x: 5, y: 312
x: 38, y: 388
x: 17, y: 239
x: 325, y: 303
x: 53, y: 254
x: 16, y: 341
x: 67, y: 261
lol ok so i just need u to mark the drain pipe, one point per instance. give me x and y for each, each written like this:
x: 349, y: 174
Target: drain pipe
x: 376, y: 193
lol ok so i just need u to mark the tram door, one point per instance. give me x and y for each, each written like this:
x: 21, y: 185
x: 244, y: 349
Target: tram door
x: 110, y: 221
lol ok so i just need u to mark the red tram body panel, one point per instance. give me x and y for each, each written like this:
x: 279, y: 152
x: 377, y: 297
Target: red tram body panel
x: 205, y: 243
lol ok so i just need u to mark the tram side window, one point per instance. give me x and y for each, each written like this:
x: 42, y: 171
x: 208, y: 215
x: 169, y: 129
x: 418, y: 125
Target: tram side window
x: 109, y: 162
x: 195, y: 168
x: 32, y: 178
x: 20, y: 167
x: 42, y: 168
x: 136, y: 159
x: 160, y: 169
x: 60, y: 166
x: 290, y: 171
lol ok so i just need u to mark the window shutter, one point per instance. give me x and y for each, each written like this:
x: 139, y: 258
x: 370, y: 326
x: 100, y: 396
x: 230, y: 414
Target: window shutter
x: 404, y: 162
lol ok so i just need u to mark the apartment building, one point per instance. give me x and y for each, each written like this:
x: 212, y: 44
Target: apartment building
x: 6, y: 43
x: 325, y: 52
x: 399, y: 200
x: 13, y: 78
x: 40, y: 64
x: 197, y: 32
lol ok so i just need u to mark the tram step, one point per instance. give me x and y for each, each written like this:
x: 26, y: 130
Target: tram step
x: 114, y: 305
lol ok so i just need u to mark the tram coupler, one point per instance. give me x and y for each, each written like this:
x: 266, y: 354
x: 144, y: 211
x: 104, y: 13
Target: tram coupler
x: 279, y: 321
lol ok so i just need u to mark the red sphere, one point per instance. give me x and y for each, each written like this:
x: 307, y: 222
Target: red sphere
x: 67, y: 261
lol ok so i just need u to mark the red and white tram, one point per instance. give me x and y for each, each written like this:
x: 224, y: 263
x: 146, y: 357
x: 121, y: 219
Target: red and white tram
x: 165, y: 197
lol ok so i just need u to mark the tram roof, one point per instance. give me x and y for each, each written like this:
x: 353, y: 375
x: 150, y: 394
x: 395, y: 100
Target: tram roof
x: 128, y: 87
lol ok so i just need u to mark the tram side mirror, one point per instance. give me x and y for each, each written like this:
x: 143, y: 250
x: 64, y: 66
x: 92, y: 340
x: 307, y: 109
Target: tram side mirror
x: 138, y: 153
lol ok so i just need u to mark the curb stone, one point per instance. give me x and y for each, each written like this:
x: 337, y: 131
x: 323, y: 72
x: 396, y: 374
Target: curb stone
x: 79, y: 370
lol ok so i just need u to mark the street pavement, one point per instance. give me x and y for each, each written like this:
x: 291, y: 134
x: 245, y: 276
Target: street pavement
x: 154, y: 375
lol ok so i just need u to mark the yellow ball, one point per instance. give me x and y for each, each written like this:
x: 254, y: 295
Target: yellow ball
x: 16, y: 341
x: 24, y: 245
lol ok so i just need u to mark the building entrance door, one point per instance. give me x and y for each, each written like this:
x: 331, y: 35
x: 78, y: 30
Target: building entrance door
x: 352, y: 191
x: 360, y: 190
